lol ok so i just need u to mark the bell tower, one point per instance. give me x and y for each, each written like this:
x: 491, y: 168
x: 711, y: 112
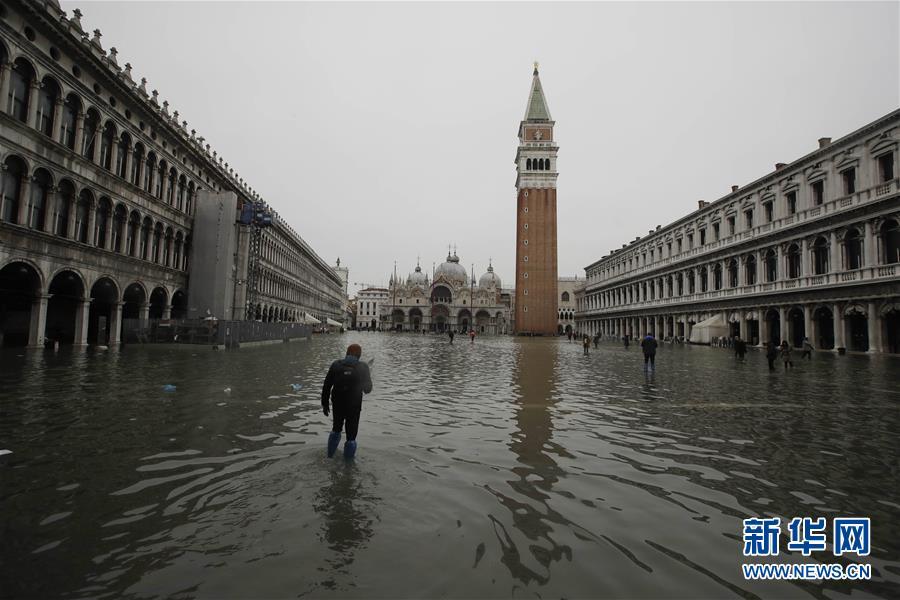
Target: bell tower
x: 536, y: 270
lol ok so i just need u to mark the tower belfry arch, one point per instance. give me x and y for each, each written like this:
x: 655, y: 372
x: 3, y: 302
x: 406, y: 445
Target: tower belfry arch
x: 536, y: 234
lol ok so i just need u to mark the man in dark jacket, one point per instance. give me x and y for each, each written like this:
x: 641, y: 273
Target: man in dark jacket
x: 648, y: 345
x: 346, y: 382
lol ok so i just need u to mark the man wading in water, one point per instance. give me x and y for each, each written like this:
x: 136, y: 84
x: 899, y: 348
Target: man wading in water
x: 346, y: 382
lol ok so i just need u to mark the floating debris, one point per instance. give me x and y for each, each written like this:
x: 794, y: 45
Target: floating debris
x: 227, y: 390
x: 296, y: 386
x: 169, y: 388
x: 2, y: 452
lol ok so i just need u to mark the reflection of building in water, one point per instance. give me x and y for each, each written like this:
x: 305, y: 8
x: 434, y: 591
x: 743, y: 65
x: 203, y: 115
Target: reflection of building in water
x: 348, y: 512
x: 534, y: 378
x: 449, y: 300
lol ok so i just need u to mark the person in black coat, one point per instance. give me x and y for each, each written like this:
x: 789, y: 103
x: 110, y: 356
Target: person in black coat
x: 648, y: 346
x: 346, y: 382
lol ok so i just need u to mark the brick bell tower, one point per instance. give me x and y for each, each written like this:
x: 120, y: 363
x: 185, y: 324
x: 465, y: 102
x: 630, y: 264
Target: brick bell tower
x: 536, y: 279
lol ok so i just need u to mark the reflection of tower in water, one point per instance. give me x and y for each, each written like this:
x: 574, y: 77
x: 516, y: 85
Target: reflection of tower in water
x: 534, y: 379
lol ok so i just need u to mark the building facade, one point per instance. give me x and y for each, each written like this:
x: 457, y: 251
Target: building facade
x: 98, y: 197
x: 449, y: 301
x: 369, y: 303
x: 536, y: 261
x: 811, y: 250
x: 567, y: 287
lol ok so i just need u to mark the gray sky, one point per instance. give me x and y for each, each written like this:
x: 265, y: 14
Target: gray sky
x: 384, y: 131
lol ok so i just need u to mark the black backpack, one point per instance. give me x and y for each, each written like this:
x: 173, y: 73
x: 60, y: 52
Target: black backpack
x: 346, y: 380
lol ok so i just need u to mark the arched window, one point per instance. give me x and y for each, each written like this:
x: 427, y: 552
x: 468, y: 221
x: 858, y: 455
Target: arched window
x: 82, y: 216
x: 151, y: 173
x: 179, y: 241
x: 771, y: 265
x: 146, y: 229
x: 137, y: 157
x: 120, y: 217
x: 170, y: 188
x: 11, y: 193
x: 679, y: 284
x: 157, y: 242
x: 690, y: 282
x: 527, y: 164
x: 669, y: 286
x: 20, y: 79
x: 71, y: 109
x: 890, y: 241
x: 546, y: 164
x: 167, y: 248
x: 65, y: 204
x: 704, y: 279
x: 161, y: 177
x: 189, y: 206
x: 106, y: 145
x: 37, y: 203
x: 717, y: 277
x: 182, y: 185
x: 102, y: 221
x: 732, y: 273
x: 47, y: 96
x: 793, y: 258
x: 565, y: 296
x: 91, y: 125
x: 122, y: 154
x: 750, y: 270
x: 134, y: 230
x: 820, y: 256
x: 853, y: 248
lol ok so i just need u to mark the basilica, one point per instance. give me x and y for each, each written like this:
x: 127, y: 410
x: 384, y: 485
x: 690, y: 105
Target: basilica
x: 450, y: 299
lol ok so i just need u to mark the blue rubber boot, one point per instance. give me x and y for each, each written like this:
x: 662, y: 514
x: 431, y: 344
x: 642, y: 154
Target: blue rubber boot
x: 349, y: 449
x: 334, y: 440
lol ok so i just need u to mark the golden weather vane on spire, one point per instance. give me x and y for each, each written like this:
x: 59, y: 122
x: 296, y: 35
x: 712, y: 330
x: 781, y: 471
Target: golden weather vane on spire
x: 536, y: 65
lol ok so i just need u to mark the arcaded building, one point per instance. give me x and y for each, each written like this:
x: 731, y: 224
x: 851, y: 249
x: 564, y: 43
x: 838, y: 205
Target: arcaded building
x: 99, y: 194
x: 536, y: 261
x: 811, y: 249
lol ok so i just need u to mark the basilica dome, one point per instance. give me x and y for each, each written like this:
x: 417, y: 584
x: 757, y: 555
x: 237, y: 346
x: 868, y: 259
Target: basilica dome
x: 452, y: 270
x: 417, y: 277
x: 489, y: 279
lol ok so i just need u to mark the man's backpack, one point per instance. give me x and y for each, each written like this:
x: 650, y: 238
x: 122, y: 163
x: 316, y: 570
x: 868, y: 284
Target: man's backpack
x: 346, y: 381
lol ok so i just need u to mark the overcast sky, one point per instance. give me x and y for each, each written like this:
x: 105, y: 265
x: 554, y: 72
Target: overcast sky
x: 386, y: 131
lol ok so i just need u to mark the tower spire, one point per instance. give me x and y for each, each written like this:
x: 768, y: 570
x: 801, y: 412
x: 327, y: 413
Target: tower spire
x: 537, y: 109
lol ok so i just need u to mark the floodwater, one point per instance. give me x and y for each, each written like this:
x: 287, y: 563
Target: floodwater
x: 505, y: 468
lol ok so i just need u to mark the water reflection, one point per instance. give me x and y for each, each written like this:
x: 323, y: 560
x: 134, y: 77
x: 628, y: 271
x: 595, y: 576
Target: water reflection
x: 534, y: 388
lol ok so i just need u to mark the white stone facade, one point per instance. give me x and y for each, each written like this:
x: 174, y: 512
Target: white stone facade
x: 811, y: 249
x: 568, y: 288
x: 369, y: 303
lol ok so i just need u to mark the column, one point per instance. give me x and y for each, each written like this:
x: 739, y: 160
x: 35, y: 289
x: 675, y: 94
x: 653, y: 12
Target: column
x: 109, y: 225
x: 70, y: 226
x: 805, y: 270
x: 742, y: 320
x: 835, y: 254
x: 869, y: 244
x: 874, y: 329
x: 764, y: 333
x: 115, y: 324
x: 742, y: 273
x: 838, y: 326
x: 33, y: 101
x: 163, y: 182
x: 82, y: 314
x: 24, y: 201
x: 79, y: 133
x: 114, y: 154
x: 808, y: 324
x: 144, y: 312
x: 50, y: 209
x: 126, y: 163
x: 57, y: 120
x: 5, y: 70
x: 38, y: 325
x: 784, y: 332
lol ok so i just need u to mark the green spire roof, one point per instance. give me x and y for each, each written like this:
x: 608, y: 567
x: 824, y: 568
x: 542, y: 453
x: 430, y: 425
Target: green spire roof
x: 537, y: 105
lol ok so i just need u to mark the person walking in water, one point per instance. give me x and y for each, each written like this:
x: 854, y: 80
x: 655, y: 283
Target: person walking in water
x: 586, y: 344
x: 771, y: 355
x: 648, y: 346
x: 569, y: 335
x: 786, y: 355
x: 740, y: 348
x: 807, y: 349
x: 346, y: 382
x: 596, y: 340
x: 451, y: 334
x: 625, y: 341
x: 472, y: 335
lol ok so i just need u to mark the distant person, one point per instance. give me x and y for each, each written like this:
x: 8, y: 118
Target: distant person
x: 786, y: 355
x: 807, y: 349
x: 346, y: 382
x: 625, y: 341
x: 771, y: 354
x: 740, y: 348
x: 586, y: 344
x: 648, y: 346
x: 596, y: 340
x: 451, y: 334
x: 569, y: 335
x: 472, y: 336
